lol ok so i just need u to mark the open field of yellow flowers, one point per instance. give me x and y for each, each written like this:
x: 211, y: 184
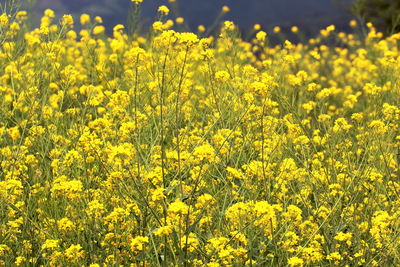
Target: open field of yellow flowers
x: 177, y: 150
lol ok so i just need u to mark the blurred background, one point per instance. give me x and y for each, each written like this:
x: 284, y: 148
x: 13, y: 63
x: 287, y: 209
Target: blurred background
x: 309, y: 15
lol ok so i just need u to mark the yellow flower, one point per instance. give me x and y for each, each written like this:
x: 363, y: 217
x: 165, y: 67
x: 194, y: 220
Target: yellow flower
x: 190, y: 242
x: 341, y: 124
x: 158, y: 194
x: 14, y: 133
x: 65, y: 224
x: 201, y: 28
x: 117, y: 215
x: 21, y: 15
x: 180, y: 20
x: 118, y: 27
x: 204, y: 152
x: 51, y: 244
x: 239, y: 237
x: 178, y: 207
x: 74, y: 252
x: 49, y: 13
x: 67, y: 20
x: 164, y: 230
x: 98, y: 29
x: 228, y: 25
x: 98, y: 19
x: 138, y: 243
x: 187, y: 38
x: 353, y: 23
x: 261, y: 36
x: 222, y: 76
x: 158, y: 26
x: 85, y: 19
x: 205, y: 200
x: 344, y: 237
x: 71, y: 189
x: 277, y: 29
x: 295, y: 262
x: 225, y: 9
x: 372, y: 89
x: 3, y: 20
x: 378, y: 126
x: 334, y: 256
x: 163, y: 10
x: 19, y: 260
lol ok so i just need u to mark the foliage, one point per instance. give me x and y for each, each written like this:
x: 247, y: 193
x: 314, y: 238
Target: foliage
x: 385, y: 14
x: 176, y: 149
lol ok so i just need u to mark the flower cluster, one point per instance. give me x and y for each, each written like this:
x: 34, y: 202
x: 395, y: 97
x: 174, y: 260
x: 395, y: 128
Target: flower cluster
x: 176, y: 149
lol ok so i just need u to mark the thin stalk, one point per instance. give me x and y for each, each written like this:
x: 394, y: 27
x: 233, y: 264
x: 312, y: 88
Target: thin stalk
x: 162, y: 90
x: 136, y: 117
x: 262, y: 147
x: 177, y: 118
x: 162, y: 145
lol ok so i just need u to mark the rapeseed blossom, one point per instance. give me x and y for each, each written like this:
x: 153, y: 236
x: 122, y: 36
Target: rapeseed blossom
x: 163, y: 10
x: 213, y: 151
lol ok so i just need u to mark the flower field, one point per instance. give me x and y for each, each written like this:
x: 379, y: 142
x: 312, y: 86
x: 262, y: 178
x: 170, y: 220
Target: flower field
x: 176, y: 149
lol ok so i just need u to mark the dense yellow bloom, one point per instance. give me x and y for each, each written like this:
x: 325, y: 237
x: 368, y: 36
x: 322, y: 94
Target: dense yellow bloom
x: 138, y: 243
x: 65, y: 224
x: 71, y: 189
x: 19, y: 260
x: 380, y: 230
x: 378, y: 126
x: 168, y: 147
x: 74, y: 252
x: 205, y: 200
x: 189, y: 242
x: 3, y: 20
x: 204, y: 152
x: 164, y: 230
x: 335, y: 257
x: 10, y: 188
x: 295, y: 261
x: 344, y: 237
x: 187, y: 38
x: 51, y: 244
x: 117, y: 215
x: 14, y: 133
x: 222, y: 76
x: 178, y: 207
x: 341, y: 124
